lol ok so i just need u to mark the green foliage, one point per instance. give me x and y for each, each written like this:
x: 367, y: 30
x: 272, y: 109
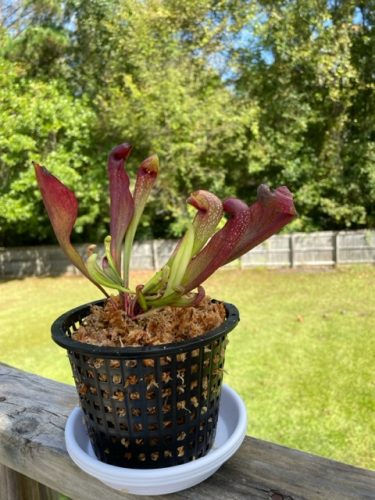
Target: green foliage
x: 39, y: 121
x: 155, y: 93
x: 229, y: 94
x: 314, y: 132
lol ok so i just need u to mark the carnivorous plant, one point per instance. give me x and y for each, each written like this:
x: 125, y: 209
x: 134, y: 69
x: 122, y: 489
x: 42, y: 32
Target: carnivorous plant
x: 200, y: 252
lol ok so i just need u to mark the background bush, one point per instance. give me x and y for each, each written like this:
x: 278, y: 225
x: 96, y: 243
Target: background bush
x: 228, y: 93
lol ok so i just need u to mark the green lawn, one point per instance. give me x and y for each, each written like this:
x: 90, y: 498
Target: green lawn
x: 302, y: 357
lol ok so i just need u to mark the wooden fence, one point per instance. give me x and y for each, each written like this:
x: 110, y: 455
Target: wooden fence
x: 324, y: 248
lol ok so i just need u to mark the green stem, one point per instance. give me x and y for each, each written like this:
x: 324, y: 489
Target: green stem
x: 128, y: 244
x: 181, y: 260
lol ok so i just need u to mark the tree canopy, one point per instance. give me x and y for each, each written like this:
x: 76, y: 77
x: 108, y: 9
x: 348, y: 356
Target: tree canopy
x: 230, y: 94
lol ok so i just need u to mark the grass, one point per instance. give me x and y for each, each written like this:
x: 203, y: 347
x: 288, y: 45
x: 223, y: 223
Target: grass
x: 302, y: 356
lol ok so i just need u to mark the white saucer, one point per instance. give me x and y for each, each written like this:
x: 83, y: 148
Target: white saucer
x: 230, y: 433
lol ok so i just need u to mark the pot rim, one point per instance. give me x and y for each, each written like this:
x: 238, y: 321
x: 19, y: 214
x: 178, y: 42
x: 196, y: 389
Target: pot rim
x: 59, y: 336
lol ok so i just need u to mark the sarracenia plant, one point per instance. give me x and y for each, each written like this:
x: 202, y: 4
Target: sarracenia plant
x: 202, y: 250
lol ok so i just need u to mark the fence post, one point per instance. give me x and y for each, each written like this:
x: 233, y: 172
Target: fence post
x: 155, y: 257
x: 336, y: 249
x: 292, y: 256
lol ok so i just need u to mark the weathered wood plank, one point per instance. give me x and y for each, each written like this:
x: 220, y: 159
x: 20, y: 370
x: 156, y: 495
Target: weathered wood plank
x: 33, y: 412
x: 16, y: 486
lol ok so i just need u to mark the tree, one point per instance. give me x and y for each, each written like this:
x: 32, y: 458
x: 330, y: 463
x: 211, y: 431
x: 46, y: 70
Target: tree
x: 40, y: 121
x: 229, y: 94
x: 307, y: 79
x: 155, y: 87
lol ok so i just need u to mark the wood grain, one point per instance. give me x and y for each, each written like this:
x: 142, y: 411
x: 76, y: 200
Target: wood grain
x: 16, y: 486
x: 33, y: 412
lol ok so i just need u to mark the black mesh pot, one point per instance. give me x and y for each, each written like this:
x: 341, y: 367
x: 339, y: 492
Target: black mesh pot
x: 148, y: 407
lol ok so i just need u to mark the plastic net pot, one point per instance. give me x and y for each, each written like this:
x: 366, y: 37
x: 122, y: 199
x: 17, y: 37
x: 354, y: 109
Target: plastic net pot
x: 151, y: 406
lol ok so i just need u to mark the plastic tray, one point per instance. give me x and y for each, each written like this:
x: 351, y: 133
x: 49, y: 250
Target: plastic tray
x: 230, y: 433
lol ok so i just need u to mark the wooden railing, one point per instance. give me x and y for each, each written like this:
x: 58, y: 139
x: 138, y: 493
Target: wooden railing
x: 35, y: 464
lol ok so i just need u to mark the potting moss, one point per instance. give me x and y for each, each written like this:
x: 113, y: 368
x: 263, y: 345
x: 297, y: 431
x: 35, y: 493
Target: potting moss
x: 109, y: 325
